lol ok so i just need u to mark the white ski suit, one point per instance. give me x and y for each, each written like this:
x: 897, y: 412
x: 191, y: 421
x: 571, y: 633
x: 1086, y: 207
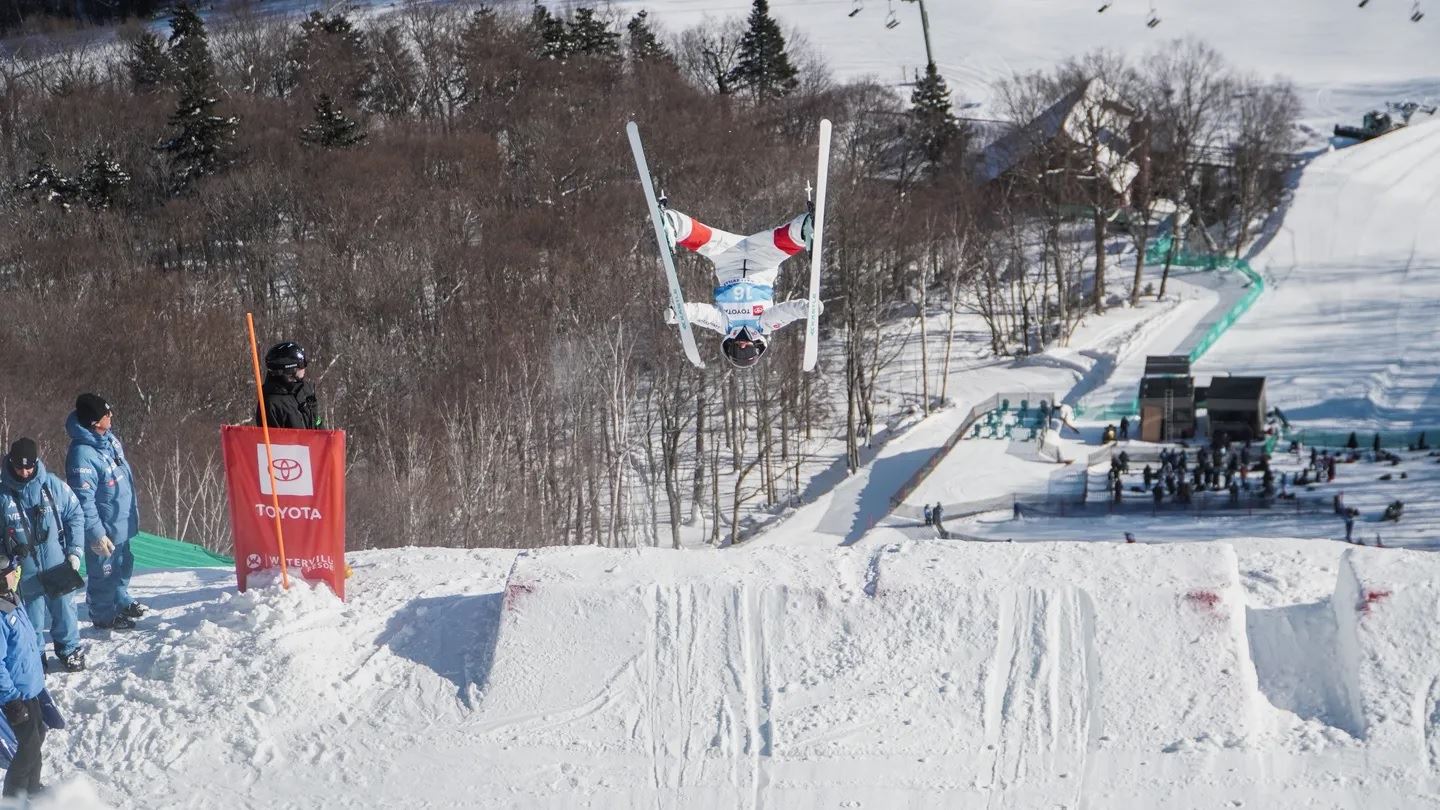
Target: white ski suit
x: 745, y: 271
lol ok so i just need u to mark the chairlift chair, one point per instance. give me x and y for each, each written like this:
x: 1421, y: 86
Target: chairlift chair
x: 860, y: 6
x: 1102, y: 8
x: 1364, y: 3
x: 1154, y: 17
x: 1416, y: 15
x: 890, y: 19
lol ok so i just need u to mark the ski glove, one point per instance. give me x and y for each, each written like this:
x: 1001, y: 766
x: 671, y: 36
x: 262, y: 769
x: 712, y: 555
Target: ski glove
x: 670, y: 316
x: 807, y: 229
x: 672, y: 223
x: 103, y: 547
x: 16, y: 713
x: 74, y: 562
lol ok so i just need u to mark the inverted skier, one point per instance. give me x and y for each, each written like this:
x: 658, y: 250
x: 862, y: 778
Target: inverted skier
x: 746, y: 267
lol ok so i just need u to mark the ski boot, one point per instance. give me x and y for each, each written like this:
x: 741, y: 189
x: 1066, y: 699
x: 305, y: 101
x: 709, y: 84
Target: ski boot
x: 120, y: 622
x: 73, y: 661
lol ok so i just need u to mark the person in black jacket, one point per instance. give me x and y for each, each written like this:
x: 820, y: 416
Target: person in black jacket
x: 289, y: 399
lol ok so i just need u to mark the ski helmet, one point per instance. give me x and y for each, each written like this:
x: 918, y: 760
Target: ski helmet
x: 285, y: 357
x: 743, y: 349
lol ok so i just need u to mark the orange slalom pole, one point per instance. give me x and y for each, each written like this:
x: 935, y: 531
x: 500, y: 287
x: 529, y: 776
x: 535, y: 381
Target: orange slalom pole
x: 269, y: 461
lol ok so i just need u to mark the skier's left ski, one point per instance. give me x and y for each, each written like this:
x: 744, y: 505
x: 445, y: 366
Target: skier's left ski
x: 677, y: 297
x: 812, y: 312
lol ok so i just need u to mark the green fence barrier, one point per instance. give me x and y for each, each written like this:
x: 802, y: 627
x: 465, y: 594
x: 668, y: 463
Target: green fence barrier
x: 153, y: 552
x: 1156, y: 254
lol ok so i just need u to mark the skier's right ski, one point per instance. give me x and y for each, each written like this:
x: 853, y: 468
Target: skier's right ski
x: 677, y: 298
x: 812, y: 313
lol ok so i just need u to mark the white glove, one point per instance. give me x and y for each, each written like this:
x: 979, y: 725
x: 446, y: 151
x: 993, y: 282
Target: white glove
x: 103, y: 547
x: 670, y: 315
x: 74, y: 562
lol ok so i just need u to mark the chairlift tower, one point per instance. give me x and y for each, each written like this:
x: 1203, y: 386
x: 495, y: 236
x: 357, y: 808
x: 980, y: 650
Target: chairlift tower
x: 891, y: 21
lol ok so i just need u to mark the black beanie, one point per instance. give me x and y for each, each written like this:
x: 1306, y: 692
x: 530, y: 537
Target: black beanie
x: 24, y: 453
x: 90, y: 408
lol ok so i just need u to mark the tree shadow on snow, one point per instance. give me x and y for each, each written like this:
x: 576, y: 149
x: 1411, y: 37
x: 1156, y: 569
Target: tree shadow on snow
x: 852, y: 514
x: 452, y: 635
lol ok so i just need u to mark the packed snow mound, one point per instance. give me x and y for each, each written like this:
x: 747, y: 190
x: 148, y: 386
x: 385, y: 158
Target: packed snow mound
x: 1386, y: 608
x: 888, y: 673
x: 1345, y: 332
x: 724, y: 680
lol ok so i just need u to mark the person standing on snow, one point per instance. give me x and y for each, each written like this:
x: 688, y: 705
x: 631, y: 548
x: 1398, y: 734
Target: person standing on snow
x: 105, y: 484
x: 289, y: 398
x: 44, y: 526
x: 746, y: 268
x: 22, y: 679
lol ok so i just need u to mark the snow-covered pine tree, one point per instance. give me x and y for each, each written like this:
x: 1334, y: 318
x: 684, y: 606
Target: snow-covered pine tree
x: 644, y: 47
x: 591, y: 36
x: 332, y: 128
x: 147, y: 63
x: 933, y: 126
x: 46, y: 184
x: 763, y: 67
x: 202, y: 145
x: 102, y: 179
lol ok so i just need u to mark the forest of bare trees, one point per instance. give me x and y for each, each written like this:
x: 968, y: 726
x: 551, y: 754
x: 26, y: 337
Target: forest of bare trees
x: 438, y: 204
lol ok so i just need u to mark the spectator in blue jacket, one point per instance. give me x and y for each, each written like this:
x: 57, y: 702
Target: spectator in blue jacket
x: 105, y: 484
x: 22, y: 679
x: 45, y: 527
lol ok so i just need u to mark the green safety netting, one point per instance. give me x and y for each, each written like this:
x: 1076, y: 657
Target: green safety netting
x: 153, y: 552
x: 1156, y: 254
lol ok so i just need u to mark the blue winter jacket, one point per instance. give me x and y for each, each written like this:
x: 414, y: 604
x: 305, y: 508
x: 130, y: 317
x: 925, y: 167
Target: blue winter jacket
x: 53, y: 527
x: 23, y: 675
x: 103, y: 481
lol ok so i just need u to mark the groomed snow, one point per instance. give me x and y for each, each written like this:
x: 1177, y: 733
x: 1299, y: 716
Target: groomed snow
x: 1346, y: 331
x: 896, y: 672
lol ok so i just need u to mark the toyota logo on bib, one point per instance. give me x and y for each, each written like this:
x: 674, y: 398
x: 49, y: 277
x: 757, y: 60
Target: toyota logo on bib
x: 287, y: 469
x: 290, y: 465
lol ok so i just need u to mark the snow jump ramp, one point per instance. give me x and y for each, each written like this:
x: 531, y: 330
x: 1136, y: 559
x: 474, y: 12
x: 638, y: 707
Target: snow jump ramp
x: 910, y: 673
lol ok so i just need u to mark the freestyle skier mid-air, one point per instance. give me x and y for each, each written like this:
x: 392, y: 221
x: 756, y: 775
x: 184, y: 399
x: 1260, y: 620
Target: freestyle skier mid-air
x: 746, y: 267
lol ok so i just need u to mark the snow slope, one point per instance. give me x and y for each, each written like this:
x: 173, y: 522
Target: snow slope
x: 1347, y: 329
x: 893, y: 673
x: 1344, y: 60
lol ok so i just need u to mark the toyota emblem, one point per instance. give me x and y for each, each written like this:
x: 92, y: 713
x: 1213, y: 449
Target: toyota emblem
x: 286, y: 469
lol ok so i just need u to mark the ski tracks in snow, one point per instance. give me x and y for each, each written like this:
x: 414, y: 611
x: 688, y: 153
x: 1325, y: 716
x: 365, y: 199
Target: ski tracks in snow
x: 1040, y: 707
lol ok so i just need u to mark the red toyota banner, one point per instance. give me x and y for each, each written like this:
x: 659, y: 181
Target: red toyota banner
x: 309, y: 470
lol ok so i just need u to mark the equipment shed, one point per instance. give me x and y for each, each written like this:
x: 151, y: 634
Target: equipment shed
x: 1236, y: 407
x: 1167, y: 408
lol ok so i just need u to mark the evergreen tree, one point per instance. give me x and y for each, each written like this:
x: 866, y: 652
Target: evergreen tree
x: 933, y: 126
x: 202, y: 145
x: 763, y: 67
x: 46, y: 184
x: 332, y: 128
x: 552, y: 41
x: 332, y: 58
x: 102, y: 179
x: 644, y: 46
x: 591, y: 36
x: 147, y: 63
